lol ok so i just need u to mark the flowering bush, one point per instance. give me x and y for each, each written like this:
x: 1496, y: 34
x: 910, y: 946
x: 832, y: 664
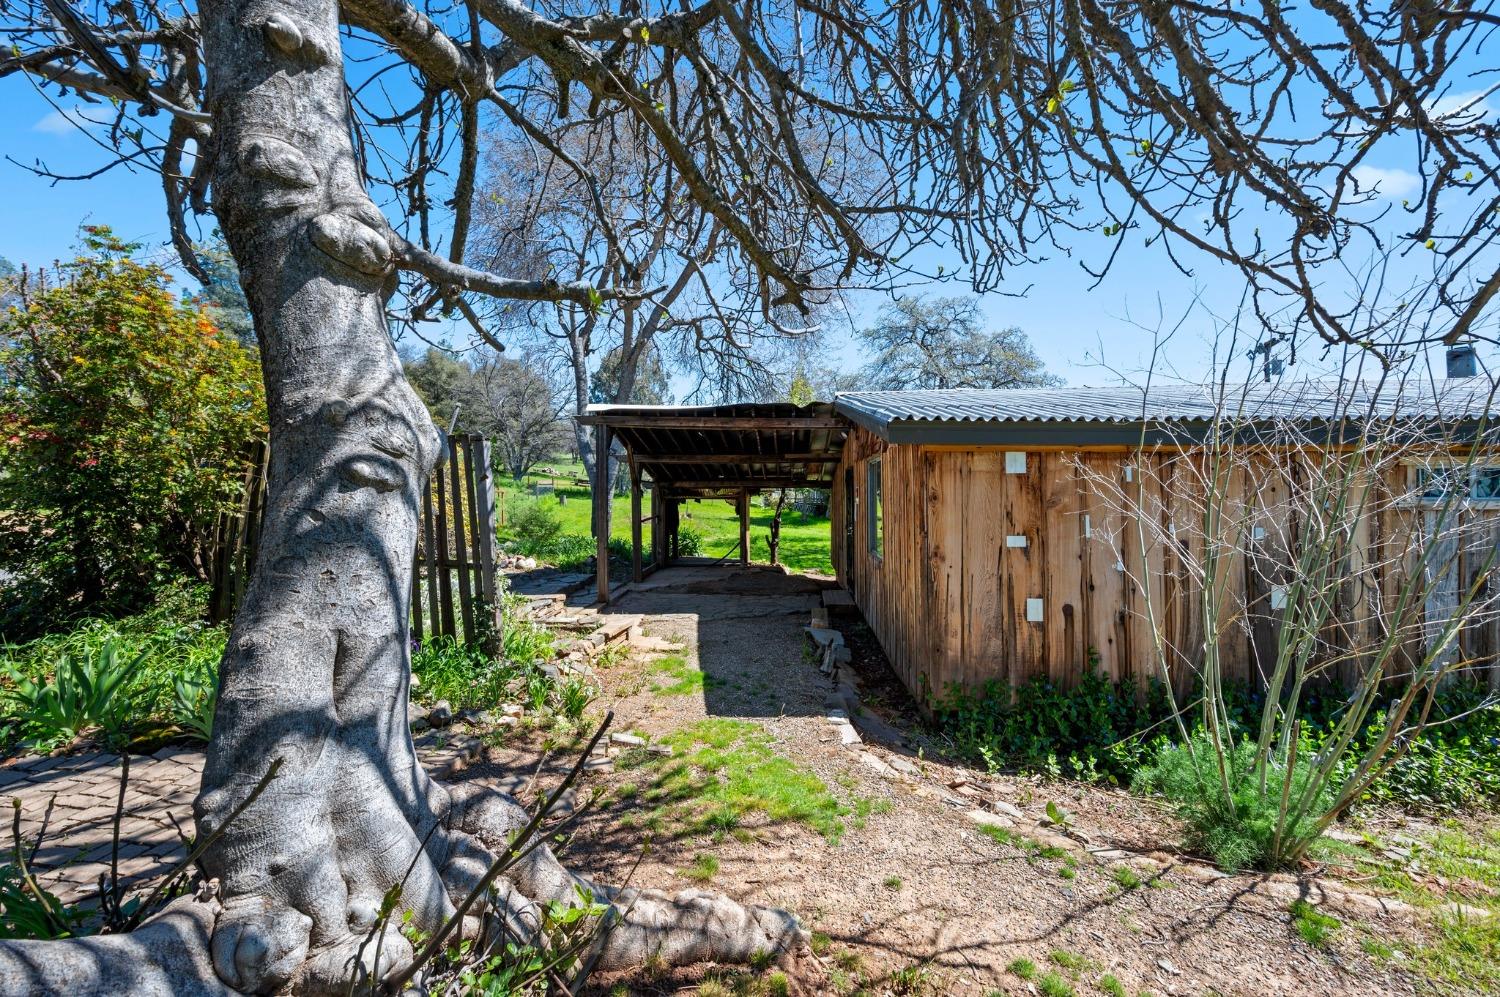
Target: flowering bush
x: 124, y: 418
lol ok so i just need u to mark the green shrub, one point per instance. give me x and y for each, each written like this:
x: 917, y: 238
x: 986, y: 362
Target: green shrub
x: 24, y: 915
x: 689, y: 541
x: 83, y: 693
x: 174, y: 645
x: 463, y: 674
x: 1089, y: 730
x: 535, y: 524
x: 125, y: 416
x: 1231, y: 815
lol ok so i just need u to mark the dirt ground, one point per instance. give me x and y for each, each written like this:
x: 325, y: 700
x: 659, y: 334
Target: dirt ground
x: 912, y: 884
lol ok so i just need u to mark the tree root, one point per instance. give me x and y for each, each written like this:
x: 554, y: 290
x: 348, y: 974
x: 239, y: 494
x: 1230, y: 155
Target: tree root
x: 257, y: 944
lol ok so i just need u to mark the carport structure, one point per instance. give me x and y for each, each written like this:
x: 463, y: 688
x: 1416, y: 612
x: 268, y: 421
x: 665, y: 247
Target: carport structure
x: 728, y: 452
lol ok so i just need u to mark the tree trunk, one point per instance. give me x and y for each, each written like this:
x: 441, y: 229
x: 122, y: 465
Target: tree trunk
x: 317, y: 671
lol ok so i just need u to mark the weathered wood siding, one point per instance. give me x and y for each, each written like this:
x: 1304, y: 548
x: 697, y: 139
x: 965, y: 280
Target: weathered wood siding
x: 948, y: 599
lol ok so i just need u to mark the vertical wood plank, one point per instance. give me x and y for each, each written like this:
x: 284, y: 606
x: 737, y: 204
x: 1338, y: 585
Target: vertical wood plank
x: 441, y: 556
x: 460, y: 542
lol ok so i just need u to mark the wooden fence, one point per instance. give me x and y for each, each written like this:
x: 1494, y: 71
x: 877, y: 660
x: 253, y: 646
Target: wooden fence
x: 453, y: 583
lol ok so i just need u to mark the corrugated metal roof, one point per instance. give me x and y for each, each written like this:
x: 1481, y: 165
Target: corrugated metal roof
x: 1052, y: 409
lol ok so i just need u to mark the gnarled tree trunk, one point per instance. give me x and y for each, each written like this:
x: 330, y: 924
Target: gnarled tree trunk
x: 317, y: 668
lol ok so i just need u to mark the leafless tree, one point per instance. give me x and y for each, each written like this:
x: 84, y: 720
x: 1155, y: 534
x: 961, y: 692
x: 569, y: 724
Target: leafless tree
x: 942, y: 342
x: 338, y: 145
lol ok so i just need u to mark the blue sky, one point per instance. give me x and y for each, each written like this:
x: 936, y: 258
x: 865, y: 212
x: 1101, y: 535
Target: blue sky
x: 1084, y: 334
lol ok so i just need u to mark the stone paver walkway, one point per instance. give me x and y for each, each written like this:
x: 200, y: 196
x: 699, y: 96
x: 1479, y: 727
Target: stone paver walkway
x: 75, y: 796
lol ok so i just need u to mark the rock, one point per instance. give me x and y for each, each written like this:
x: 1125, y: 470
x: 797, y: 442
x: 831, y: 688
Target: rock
x: 823, y: 637
x: 629, y: 740
x: 441, y: 714
x: 419, y: 725
x: 905, y: 766
x: 878, y: 764
x: 986, y: 819
x: 838, y: 716
x: 848, y: 736
x: 507, y: 721
x: 1009, y: 809
x: 1167, y: 967
x: 512, y: 709
x: 664, y: 750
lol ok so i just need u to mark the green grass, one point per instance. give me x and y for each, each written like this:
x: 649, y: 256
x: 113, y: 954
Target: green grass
x: 804, y: 539
x: 1315, y: 927
x: 675, y: 676
x: 723, y: 771
x: 1024, y: 968
x: 1461, y: 953
x: 1110, y: 984
x: 1052, y: 985
x: 1125, y: 878
x: 1068, y: 960
x: 893, y: 882
x: 1031, y: 848
x: 704, y: 868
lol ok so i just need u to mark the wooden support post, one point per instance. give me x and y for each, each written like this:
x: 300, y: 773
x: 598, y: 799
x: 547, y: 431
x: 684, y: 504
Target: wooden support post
x: 601, y: 511
x: 658, y: 551
x: 635, y: 522
x: 744, y: 505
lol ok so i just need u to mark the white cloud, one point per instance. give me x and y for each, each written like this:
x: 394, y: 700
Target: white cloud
x: 1390, y: 184
x: 66, y: 122
x: 1478, y: 104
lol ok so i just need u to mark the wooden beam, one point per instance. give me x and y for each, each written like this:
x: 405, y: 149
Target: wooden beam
x: 601, y: 511
x: 741, y: 458
x: 734, y: 484
x: 636, y: 421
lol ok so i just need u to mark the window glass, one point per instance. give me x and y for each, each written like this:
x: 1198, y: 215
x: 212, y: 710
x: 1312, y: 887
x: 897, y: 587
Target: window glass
x: 875, y: 509
x: 1475, y: 484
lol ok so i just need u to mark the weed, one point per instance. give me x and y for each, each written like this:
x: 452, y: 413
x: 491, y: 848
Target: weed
x: 1110, y: 984
x: 1067, y: 872
x: 1052, y: 985
x: 1125, y: 878
x: 776, y: 985
x: 1315, y: 927
x: 820, y: 943
x: 911, y: 980
x: 893, y: 882
x: 704, y: 868
x: 1024, y: 968
x: 1068, y: 960
x: 761, y: 960
x: 1377, y: 949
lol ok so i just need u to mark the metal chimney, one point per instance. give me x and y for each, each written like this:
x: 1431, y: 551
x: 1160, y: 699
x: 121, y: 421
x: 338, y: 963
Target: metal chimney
x: 1462, y: 361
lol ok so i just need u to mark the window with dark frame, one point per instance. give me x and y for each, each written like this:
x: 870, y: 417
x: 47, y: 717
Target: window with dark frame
x: 875, y: 509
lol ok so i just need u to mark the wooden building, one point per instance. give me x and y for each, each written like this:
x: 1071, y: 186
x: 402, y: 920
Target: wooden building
x: 987, y: 534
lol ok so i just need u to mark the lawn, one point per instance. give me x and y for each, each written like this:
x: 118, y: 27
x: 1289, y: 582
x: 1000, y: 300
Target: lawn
x: 804, y: 538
